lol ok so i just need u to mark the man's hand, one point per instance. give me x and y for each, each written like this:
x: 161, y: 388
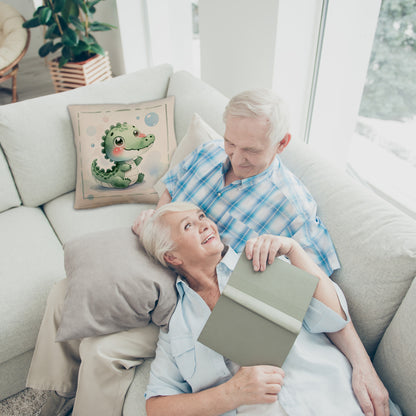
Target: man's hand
x: 255, y: 385
x: 141, y: 219
x: 264, y: 249
x: 370, y: 392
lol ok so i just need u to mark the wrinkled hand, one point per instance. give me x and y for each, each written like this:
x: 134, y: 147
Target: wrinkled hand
x: 141, y: 219
x: 371, y: 394
x: 264, y: 249
x: 256, y: 385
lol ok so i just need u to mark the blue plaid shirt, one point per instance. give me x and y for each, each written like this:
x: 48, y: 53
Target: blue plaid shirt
x: 273, y: 202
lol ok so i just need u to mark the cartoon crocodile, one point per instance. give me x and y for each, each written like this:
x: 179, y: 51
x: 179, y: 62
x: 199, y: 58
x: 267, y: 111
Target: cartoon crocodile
x: 122, y: 144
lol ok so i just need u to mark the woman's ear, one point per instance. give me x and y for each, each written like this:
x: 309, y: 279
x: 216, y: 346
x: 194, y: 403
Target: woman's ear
x: 170, y: 258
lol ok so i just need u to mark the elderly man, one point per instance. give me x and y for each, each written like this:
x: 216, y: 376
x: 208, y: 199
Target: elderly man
x: 241, y: 185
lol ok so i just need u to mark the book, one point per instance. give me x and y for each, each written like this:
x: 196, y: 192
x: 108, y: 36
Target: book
x: 259, y: 314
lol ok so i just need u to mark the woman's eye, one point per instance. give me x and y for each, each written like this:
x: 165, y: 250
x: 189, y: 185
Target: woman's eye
x: 202, y: 216
x: 187, y: 226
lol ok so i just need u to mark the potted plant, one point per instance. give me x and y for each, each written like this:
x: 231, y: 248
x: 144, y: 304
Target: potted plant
x: 68, y: 30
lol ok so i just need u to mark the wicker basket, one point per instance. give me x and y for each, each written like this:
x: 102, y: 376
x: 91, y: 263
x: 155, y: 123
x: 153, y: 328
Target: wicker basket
x: 78, y: 74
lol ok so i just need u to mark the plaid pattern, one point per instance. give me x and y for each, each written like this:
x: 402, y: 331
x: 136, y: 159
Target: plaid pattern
x: 273, y: 202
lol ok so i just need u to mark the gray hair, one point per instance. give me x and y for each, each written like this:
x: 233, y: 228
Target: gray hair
x: 156, y: 236
x: 261, y: 103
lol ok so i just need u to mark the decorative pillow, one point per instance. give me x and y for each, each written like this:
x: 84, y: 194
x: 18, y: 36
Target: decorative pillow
x: 122, y: 150
x: 198, y: 133
x: 113, y: 286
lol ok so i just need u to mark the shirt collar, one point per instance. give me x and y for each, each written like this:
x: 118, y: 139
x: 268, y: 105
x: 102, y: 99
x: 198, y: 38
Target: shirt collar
x: 224, y: 269
x: 252, y: 180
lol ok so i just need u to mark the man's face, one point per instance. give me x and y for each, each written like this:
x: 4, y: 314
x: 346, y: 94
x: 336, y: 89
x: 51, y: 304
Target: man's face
x: 248, y: 147
x: 195, y: 236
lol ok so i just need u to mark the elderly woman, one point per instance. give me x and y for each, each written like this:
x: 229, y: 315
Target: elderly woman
x: 188, y: 378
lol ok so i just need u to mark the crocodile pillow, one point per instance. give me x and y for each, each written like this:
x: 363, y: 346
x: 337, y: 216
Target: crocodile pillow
x: 113, y: 286
x: 122, y: 151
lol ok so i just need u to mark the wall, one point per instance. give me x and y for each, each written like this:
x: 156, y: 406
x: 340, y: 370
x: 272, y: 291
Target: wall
x: 238, y: 41
x: 269, y: 44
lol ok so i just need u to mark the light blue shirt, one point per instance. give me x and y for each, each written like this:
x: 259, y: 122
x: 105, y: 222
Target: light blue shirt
x: 317, y: 375
x: 272, y: 202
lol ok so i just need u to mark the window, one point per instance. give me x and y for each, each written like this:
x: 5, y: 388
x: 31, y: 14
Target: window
x: 383, y: 147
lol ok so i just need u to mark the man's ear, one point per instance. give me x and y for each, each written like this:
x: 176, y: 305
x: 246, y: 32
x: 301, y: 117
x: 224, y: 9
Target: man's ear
x: 170, y: 258
x: 283, y: 143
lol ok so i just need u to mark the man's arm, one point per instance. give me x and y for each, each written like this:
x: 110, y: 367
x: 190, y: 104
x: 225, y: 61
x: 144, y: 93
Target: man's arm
x: 368, y: 388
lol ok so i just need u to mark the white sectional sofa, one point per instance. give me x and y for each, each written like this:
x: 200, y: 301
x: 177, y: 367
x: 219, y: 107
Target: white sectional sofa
x: 376, y: 243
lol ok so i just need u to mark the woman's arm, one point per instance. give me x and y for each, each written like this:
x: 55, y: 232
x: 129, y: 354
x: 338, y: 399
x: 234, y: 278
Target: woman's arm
x: 250, y: 385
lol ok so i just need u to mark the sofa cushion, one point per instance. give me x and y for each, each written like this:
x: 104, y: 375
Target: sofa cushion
x: 113, y: 286
x: 134, y: 404
x: 374, y: 241
x: 31, y: 259
x: 198, y: 133
x: 195, y: 96
x: 41, y: 151
x: 140, y: 137
x: 9, y: 196
x: 394, y: 359
x: 70, y: 223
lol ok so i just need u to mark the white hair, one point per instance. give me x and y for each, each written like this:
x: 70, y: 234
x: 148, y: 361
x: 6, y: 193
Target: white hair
x: 156, y: 236
x: 262, y: 104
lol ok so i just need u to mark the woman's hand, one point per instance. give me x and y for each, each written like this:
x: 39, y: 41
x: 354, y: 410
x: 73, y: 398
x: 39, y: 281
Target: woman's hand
x: 141, y: 219
x: 264, y: 249
x: 255, y: 385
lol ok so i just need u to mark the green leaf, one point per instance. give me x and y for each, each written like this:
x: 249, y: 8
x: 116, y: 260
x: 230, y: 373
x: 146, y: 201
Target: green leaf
x: 58, y: 5
x: 44, y: 15
x: 96, y: 48
x: 57, y: 46
x: 100, y: 27
x: 45, y: 49
x: 52, y: 32
x: 92, y: 3
x: 82, y: 5
x: 62, y: 61
x: 77, y: 23
x: 34, y: 22
x: 82, y: 47
x: 66, y: 52
x: 70, y: 9
x: 70, y: 37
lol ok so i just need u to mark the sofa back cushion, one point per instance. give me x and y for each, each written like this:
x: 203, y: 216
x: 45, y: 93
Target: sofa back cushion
x: 195, y: 96
x: 37, y: 137
x: 9, y: 196
x: 375, y: 242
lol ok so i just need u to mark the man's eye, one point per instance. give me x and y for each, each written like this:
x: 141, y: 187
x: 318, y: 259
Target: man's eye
x: 187, y: 226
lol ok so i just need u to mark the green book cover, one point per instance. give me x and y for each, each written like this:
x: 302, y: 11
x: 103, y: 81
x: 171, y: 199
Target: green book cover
x: 259, y: 314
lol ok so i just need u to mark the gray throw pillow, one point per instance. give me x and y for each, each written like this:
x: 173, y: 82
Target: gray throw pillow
x: 113, y: 286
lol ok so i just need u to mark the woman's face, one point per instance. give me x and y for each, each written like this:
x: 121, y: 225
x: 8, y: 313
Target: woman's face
x: 195, y: 236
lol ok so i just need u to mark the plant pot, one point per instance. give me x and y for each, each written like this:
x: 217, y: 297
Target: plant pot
x: 78, y: 74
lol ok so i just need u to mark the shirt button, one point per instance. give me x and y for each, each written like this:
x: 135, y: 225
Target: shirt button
x: 219, y: 194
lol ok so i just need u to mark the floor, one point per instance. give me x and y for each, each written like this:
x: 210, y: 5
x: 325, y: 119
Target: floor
x: 33, y: 80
